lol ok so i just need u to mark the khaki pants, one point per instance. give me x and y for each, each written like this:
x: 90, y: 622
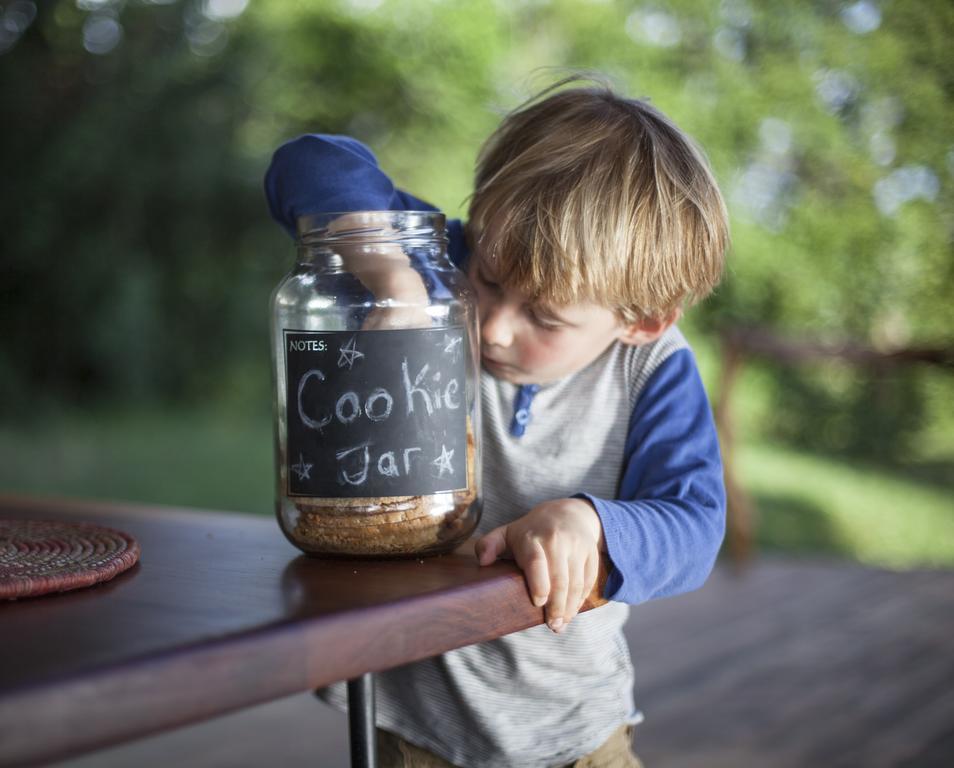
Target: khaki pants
x: 615, y: 752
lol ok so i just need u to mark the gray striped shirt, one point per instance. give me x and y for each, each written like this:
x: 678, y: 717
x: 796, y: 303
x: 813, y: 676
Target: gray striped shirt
x: 535, y: 698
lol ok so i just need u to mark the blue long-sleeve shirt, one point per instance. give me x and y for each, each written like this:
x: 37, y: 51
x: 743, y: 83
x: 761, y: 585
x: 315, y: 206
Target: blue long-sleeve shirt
x: 664, y: 528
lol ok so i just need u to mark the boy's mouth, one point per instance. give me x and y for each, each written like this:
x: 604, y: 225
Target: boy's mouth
x: 491, y: 363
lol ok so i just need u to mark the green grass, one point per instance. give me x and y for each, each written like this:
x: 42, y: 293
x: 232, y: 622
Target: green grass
x: 199, y: 459
x: 900, y: 517
x: 862, y: 511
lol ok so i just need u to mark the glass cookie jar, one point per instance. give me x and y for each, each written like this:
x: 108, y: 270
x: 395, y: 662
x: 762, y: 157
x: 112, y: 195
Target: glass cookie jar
x: 375, y: 372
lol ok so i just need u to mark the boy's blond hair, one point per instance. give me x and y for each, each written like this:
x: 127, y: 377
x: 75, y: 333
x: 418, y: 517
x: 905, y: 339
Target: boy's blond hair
x: 593, y: 197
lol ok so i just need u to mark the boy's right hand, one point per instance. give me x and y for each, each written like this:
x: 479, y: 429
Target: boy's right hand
x: 402, y: 288
x: 385, y: 270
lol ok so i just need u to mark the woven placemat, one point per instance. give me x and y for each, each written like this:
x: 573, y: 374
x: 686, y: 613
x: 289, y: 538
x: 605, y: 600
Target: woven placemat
x: 42, y: 556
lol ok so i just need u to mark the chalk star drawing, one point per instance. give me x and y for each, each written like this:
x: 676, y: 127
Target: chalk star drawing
x: 349, y: 353
x: 443, y: 462
x: 302, y: 468
x: 452, y: 346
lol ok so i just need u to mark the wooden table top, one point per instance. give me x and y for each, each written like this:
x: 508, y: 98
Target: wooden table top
x: 222, y: 613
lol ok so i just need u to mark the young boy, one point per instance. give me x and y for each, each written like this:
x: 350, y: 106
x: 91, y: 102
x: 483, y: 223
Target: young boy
x: 593, y: 221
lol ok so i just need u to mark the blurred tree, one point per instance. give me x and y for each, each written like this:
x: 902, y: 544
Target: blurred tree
x: 137, y: 253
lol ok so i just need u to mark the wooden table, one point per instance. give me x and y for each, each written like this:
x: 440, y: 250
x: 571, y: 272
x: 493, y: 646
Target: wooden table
x: 222, y: 613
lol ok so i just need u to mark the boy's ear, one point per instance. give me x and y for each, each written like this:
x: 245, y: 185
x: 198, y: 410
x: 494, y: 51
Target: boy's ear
x: 647, y: 330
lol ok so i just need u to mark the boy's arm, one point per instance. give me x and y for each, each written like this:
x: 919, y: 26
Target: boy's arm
x: 322, y: 173
x: 337, y: 174
x: 663, y: 533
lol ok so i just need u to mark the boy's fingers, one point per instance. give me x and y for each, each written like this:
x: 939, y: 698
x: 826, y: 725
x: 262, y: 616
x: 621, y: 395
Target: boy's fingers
x: 559, y: 588
x: 590, y: 572
x: 574, y: 593
x: 533, y: 562
x: 386, y: 318
x: 491, y: 546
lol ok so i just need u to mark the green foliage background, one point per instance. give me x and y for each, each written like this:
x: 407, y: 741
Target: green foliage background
x: 137, y: 254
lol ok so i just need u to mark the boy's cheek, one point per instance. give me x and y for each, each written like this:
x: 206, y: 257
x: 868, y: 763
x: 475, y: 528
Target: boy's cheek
x: 539, y: 355
x: 534, y: 361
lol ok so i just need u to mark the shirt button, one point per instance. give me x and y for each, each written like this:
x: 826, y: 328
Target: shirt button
x: 522, y: 416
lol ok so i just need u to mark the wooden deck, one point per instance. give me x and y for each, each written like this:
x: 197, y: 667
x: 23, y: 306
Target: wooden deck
x: 792, y: 663
x: 799, y: 664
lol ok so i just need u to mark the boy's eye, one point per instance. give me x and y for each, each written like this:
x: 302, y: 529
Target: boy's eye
x: 542, y: 322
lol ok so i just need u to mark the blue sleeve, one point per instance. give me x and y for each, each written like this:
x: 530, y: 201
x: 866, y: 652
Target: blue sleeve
x: 664, y: 532
x: 321, y: 173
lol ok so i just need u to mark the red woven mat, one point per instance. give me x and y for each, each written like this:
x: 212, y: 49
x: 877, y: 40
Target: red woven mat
x: 38, y: 556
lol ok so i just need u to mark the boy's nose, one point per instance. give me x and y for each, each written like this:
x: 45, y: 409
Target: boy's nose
x: 496, y: 327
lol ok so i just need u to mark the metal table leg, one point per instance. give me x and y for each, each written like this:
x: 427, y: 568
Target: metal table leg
x: 364, y: 746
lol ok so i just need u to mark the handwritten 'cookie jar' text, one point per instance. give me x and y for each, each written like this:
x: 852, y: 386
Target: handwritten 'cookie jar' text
x: 383, y: 415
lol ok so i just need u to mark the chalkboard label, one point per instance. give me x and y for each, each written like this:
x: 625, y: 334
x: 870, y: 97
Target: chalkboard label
x: 376, y: 413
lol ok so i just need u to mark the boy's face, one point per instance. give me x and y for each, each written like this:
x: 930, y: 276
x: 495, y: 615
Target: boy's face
x: 526, y: 343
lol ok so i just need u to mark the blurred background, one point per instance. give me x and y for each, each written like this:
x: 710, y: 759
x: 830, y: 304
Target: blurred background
x: 138, y: 255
